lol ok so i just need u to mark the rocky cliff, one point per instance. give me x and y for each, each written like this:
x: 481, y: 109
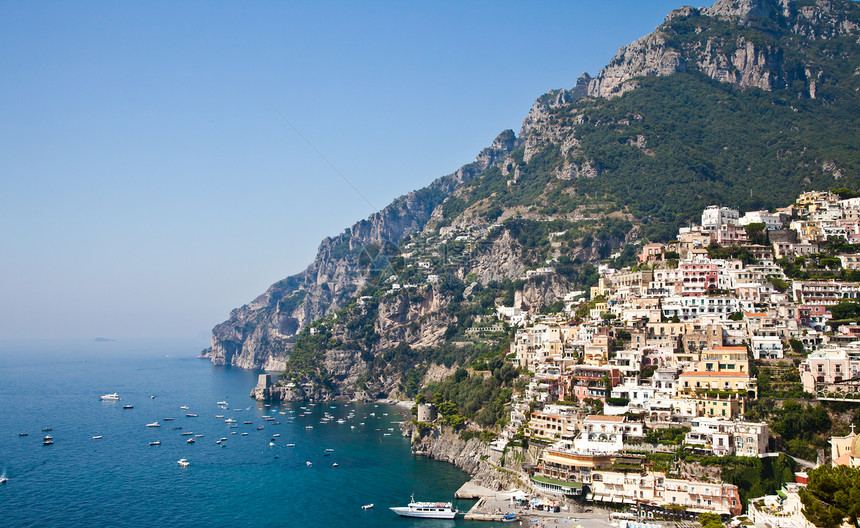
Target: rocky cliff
x: 256, y: 335
x: 488, y: 468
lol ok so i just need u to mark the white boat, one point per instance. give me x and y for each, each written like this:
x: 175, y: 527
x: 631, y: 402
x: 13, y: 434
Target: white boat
x: 183, y: 462
x: 155, y: 443
x: 367, y: 506
x: 308, y: 463
x: 427, y: 510
x: 271, y: 444
x: 153, y: 424
x: 229, y: 420
x: 190, y: 441
x: 97, y: 437
x: 110, y: 397
x: 222, y: 403
x: 184, y: 407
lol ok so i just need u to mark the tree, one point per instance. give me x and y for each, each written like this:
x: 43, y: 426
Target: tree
x: 832, y: 496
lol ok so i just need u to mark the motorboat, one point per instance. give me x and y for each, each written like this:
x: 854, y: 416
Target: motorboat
x: 247, y: 422
x: 128, y: 406
x: 155, y: 443
x: 47, y: 442
x: 427, y: 510
x: 47, y: 437
x: 271, y: 444
x: 190, y: 441
x: 97, y: 437
x: 191, y: 415
x: 334, y: 465
x: 198, y: 436
x: 3, y: 480
x: 110, y: 397
x: 183, y: 462
x: 219, y: 416
x: 308, y: 463
x: 230, y: 421
x: 291, y: 445
x: 153, y: 424
x: 244, y: 434
x: 222, y: 403
x: 259, y: 427
x: 367, y: 506
x: 23, y: 434
x: 46, y: 429
x: 168, y: 419
x: 184, y: 407
x: 187, y: 433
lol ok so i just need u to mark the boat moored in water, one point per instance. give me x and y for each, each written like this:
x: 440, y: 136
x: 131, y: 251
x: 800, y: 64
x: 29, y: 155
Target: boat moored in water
x: 110, y: 397
x: 427, y: 510
x: 183, y: 462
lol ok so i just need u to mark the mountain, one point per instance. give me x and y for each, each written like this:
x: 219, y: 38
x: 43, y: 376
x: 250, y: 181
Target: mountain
x: 744, y: 103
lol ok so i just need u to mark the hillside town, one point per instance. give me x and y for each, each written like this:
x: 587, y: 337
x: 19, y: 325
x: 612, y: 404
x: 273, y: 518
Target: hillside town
x: 673, y: 344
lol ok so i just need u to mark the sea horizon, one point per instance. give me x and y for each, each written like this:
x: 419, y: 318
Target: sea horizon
x: 254, y: 480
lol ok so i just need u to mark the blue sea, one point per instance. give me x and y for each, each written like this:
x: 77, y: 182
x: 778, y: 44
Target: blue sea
x: 120, y: 480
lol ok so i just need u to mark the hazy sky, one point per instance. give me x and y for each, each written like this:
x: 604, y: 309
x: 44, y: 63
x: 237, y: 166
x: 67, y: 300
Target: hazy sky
x: 149, y: 185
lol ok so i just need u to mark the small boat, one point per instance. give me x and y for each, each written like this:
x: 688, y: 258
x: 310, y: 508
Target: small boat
x: 46, y: 429
x: 168, y: 419
x: 222, y: 403
x: 3, y: 480
x: 247, y: 422
x: 367, y: 506
x: 184, y: 407
x: 191, y: 415
x: 23, y: 434
x: 198, y: 436
x: 128, y: 406
x: 187, y: 433
x: 276, y: 435
x: 182, y: 462
x: 97, y: 437
x: 152, y: 396
x: 229, y: 420
x: 223, y: 438
x: 232, y: 432
x: 175, y: 427
x: 309, y: 427
x: 427, y: 510
x: 291, y: 445
x: 47, y: 442
x: 511, y: 517
x: 48, y: 437
x: 153, y: 424
x: 190, y: 441
x: 219, y: 416
x: 244, y: 434
x: 110, y: 397
x: 308, y: 463
x: 259, y: 427
x: 329, y: 450
x: 334, y: 465
x: 155, y: 443
x: 271, y: 444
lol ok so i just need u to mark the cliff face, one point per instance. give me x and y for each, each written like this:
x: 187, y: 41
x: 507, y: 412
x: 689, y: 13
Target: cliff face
x: 255, y: 335
x: 741, y: 42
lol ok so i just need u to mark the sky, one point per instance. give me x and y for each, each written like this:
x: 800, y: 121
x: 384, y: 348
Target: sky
x: 162, y: 163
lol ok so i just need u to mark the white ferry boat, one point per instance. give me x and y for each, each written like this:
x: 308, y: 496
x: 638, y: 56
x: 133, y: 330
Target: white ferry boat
x: 427, y: 510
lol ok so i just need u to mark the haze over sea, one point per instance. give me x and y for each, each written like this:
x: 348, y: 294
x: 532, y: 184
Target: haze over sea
x: 120, y: 480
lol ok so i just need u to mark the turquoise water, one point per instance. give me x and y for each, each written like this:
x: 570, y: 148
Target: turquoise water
x: 120, y: 480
